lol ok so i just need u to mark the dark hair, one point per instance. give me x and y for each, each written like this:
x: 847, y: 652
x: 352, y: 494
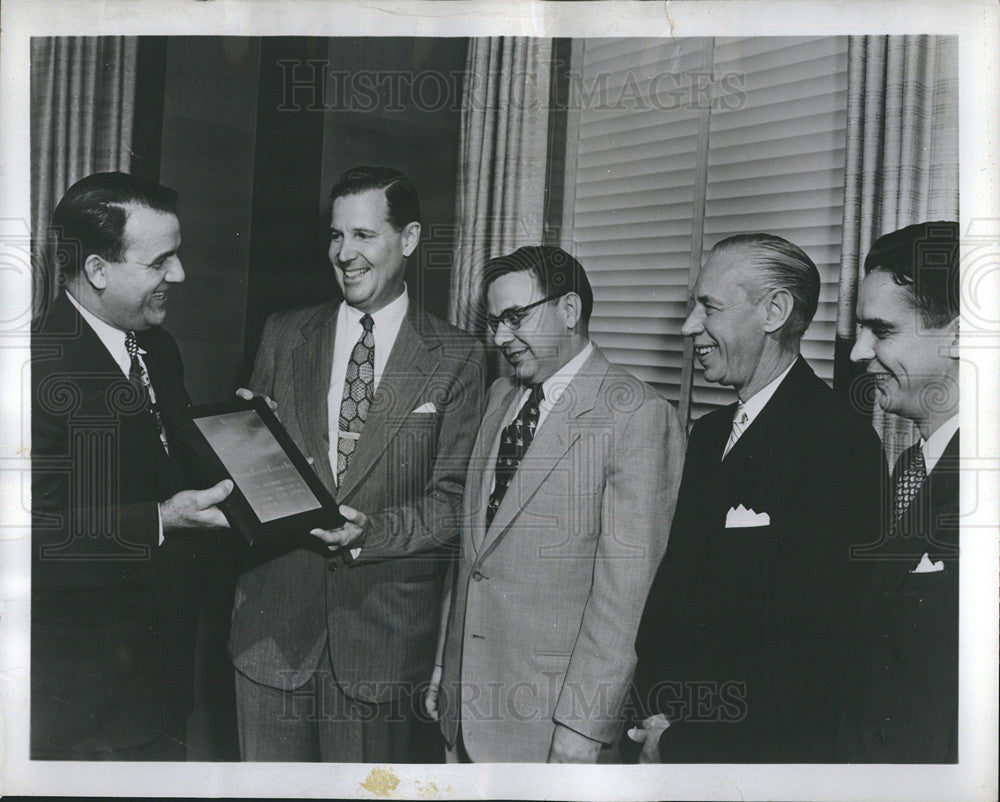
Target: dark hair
x: 400, y: 194
x: 923, y: 258
x: 557, y: 273
x: 783, y: 266
x: 91, y: 217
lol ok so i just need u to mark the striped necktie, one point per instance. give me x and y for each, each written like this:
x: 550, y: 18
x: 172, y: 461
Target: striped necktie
x: 739, y: 424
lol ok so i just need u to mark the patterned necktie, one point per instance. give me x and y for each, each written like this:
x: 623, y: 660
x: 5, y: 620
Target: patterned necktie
x: 514, y: 441
x: 139, y: 378
x: 912, y: 475
x: 359, y: 389
x: 739, y: 424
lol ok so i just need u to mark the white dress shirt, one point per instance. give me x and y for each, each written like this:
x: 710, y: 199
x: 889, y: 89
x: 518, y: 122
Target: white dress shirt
x: 114, y: 340
x: 553, y: 387
x: 387, y: 321
x: 755, y: 404
x: 552, y: 390
x: 933, y: 447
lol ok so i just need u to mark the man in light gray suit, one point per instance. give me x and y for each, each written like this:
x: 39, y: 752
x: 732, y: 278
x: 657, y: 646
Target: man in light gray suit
x: 385, y: 398
x: 568, y: 501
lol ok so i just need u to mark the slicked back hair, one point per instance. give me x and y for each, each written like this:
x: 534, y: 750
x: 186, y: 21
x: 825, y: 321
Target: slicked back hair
x: 781, y: 265
x: 400, y: 194
x: 91, y: 217
x: 924, y: 259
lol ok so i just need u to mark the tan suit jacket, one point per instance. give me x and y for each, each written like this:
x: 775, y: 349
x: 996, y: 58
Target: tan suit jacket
x: 547, y: 599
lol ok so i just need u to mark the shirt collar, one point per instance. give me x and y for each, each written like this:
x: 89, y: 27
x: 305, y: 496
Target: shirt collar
x: 385, y: 318
x: 113, y: 338
x: 555, y: 384
x: 933, y: 447
x: 753, y: 405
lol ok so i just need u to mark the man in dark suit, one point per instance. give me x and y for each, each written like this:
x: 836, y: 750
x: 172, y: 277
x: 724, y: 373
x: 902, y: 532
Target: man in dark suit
x: 385, y: 398
x: 902, y: 687
x: 113, y: 610
x: 743, y: 636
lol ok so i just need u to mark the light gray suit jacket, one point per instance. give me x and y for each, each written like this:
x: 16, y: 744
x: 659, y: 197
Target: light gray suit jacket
x: 547, y: 600
x: 379, y: 614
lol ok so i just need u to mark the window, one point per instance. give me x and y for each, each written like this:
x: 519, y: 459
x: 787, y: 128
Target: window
x: 673, y: 145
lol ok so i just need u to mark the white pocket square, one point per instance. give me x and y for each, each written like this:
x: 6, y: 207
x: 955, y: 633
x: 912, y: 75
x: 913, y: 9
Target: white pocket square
x: 925, y: 566
x: 740, y: 518
x: 425, y: 408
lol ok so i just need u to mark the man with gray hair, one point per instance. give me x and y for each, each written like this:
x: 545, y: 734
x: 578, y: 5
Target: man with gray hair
x: 746, y: 625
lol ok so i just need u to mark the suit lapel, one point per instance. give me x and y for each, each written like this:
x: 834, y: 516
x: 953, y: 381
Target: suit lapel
x: 312, y: 362
x: 66, y: 329
x: 412, y: 362
x: 484, y: 458
x: 763, y: 431
x: 940, y: 491
x: 97, y: 374
x: 554, y: 438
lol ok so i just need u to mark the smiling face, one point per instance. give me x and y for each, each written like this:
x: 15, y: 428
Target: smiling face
x: 132, y: 294
x: 369, y: 255
x: 542, y: 341
x: 915, y: 366
x: 727, y: 327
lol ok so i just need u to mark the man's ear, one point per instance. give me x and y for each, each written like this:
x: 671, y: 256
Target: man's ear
x: 952, y: 328
x: 572, y: 308
x: 94, y: 268
x: 410, y: 236
x: 777, y: 310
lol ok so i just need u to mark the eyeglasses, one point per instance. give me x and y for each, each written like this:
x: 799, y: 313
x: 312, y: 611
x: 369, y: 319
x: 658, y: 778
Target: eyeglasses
x: 514, y: 316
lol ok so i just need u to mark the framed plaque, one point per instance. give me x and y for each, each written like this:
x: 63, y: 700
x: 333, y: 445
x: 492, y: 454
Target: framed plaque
x: 276, y: 494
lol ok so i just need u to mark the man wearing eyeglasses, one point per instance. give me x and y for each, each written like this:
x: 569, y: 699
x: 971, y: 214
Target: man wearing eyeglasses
x: 568, y: 501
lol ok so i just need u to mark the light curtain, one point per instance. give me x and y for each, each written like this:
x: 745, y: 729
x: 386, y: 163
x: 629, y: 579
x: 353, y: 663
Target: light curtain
x: 82, y: 105
x: 502, y: 161
x: 902, y: 168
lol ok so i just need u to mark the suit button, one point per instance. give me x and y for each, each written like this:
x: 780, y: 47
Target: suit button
x: 331, y: 566
x: 478, y: 576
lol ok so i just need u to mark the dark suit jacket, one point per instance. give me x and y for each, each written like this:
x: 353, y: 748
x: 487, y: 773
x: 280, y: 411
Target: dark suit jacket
x: 744, y: 633
x: 113, y: 618
x: 901, y: 698
x: 380, y: 613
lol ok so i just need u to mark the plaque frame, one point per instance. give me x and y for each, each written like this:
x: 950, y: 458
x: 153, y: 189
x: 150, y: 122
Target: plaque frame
x: 209, y: 468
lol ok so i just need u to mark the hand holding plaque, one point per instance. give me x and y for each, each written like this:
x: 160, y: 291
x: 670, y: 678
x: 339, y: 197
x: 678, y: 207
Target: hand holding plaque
x: 276, y: 495
x: 350, y: 535
x: 196, y: 509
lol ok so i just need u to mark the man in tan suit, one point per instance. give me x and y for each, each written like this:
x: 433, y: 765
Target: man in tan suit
x: 570, y: 491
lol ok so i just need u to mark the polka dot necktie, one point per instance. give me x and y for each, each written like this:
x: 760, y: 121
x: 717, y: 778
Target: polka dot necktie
x: 912, y: 473
x: 514, y: 441
x: 359, y: 389
x: 739, y: 424
x: 139, y: 378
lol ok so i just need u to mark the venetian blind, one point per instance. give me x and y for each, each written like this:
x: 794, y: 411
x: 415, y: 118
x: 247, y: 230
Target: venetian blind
x: 632, y: 194
x: 775, y: 163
